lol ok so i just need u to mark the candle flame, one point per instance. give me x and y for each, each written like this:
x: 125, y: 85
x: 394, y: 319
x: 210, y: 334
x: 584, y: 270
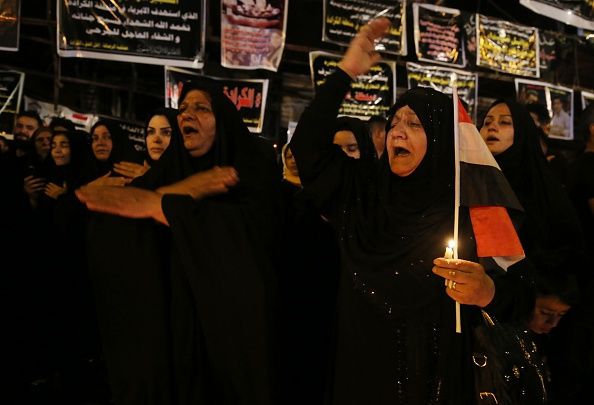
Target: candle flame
x: 451, y: 243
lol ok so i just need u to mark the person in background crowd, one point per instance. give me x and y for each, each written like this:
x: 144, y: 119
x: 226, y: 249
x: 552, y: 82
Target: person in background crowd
x: 557, y: 162
x: 60, y: 124
x: 26, y: 124
x: 377, y: 128
x: 109, y: 147
x: 581, y: 187
x: 551, y: 222
x: 158, y: 130
x: 33, y: 182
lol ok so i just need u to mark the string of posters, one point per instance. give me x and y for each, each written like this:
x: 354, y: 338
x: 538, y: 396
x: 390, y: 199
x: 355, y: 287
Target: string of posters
x: 447, y: 42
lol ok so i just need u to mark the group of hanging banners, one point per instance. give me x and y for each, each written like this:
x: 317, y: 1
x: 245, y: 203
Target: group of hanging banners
x: 253, y: 37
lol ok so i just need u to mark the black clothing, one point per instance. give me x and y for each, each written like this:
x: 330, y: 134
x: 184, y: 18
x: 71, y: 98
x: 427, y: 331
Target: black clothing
x: 550, y: 220
x: 581, y: 190
x: 202, y: 290
x: 396, y: 341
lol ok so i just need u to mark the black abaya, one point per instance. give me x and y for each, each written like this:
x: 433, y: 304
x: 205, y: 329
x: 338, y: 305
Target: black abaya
x: 212, y: 320
x: 395, y: 335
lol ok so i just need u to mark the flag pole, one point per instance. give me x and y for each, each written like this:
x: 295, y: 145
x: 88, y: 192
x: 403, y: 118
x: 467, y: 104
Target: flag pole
x: 454, y: 85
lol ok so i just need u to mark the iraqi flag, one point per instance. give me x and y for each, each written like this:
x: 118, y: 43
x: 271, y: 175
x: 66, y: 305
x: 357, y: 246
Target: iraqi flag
x: 486, y: 192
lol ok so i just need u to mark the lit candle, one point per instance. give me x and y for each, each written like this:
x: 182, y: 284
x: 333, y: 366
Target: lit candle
x: 449, y: 252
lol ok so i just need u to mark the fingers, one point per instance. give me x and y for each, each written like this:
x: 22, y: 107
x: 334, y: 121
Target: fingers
x: 130, y: 169
x: 465, y: 281
x: 457, y: 264
x: 376, y: 28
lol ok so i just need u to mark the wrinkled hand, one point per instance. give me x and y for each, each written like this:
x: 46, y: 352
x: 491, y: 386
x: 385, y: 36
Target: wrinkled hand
x: 131, y: 169
x: 33, y: 185
x: 54, y: 191
x: 361, y: 54
x: 469, y: 283
x: 105, y: 180
x: 130, y: 202
x: 217, y: 180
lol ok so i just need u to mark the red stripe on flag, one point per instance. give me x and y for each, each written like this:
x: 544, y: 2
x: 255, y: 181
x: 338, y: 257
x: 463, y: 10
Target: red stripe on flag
x: 462, y: 114
x: 494, y: 232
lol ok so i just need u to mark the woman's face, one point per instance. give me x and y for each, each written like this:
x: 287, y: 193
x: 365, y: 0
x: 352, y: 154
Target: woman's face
x: 158, y: 136
x: 406, y: 142
x: 291, y: 163
x: 498, y: 129
x: 548, y: 311
x: 348, y: 143
x: 101, y: 143
x: 43, y: 143
x: 61, y: 150
x: 197, y: 123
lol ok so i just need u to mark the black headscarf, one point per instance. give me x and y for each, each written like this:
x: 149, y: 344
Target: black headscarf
x: 122, y: 150
x: 550, y: 219
x: 392, y: 221
x: 221, y: 261
x: 171, y: 115
x: 361, y: 132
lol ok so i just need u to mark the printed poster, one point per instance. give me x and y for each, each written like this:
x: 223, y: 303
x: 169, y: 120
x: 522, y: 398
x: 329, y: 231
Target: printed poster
x: 9, y: 25
x: 165, y: 32
x: 439, y: 35
x: 248, y: 95
x: 587, y: 98
x: 371, y: 94
x: 507, y: 47
x: 342, y: 19
x: 11, y: 93
x: 253, y: 33
x: 440, y: 78
x: 559, y: 102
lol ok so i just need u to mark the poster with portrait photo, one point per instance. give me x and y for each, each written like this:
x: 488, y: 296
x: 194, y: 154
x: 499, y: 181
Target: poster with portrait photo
x: 531, y: 92
x: 561, y: 109
x: 253, y: 33
x: 587, y: 98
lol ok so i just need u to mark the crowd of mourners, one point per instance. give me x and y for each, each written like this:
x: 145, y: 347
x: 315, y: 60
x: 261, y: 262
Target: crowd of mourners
x: 214, y: 269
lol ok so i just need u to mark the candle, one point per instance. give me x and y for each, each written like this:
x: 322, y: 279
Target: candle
x: 449, y: 253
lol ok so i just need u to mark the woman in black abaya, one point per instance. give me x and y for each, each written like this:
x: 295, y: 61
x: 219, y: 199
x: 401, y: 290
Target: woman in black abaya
x: 396, y: 341
x: 223, y: 230
x: 513, y: 139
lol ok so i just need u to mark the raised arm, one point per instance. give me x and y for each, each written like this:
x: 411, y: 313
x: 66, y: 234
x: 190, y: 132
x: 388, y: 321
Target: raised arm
x: 312, y: 142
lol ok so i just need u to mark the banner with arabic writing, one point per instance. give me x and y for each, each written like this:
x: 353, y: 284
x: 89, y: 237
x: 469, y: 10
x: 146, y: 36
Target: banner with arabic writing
x: 438, y: 35
x: 507, y: 47
x: 11, y: 93
x: 440, y: 79
x: 342, y: 19
x: 248, y: 95
x: 253, y: 34
x: 168, y: 32
x: 371, y: 94
x: 9, y: 25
